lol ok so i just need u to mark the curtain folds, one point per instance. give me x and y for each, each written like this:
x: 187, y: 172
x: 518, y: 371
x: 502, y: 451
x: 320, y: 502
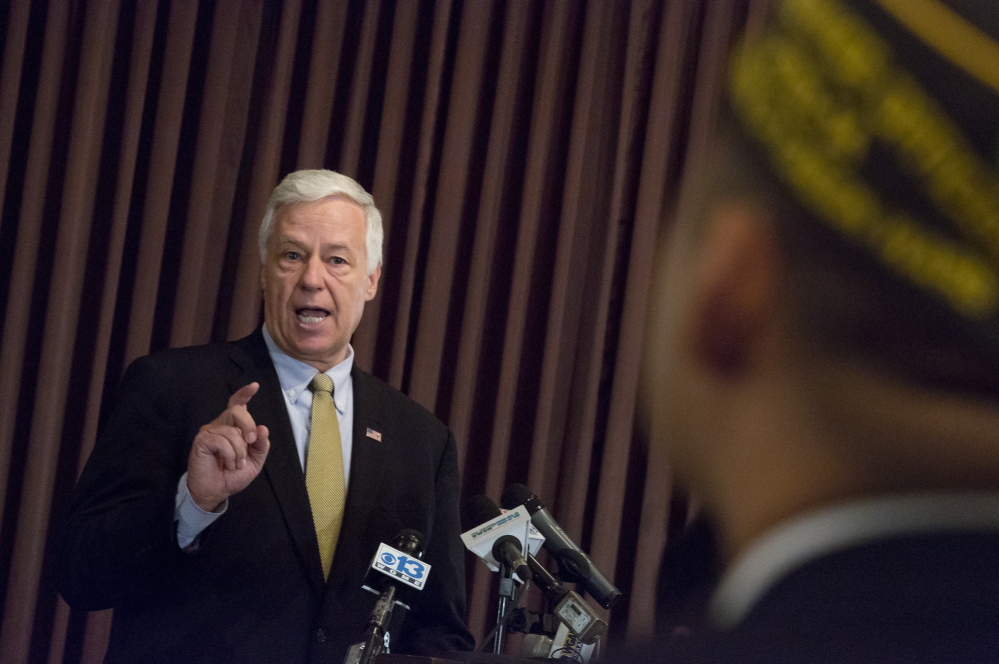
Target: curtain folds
x: 522, y: 153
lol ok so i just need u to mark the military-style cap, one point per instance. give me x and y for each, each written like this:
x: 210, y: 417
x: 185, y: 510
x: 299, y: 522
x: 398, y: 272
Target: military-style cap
x: 882, y: 118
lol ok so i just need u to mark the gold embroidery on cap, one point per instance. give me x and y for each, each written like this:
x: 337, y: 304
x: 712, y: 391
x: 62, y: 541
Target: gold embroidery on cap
x: 817, y: 94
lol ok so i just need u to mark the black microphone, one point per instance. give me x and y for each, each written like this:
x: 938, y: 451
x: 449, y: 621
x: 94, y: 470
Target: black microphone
x: 392, y: 571
x: 408, y: 542
x: 573, y: 563
x: 568, y: 606
x: 504, y: 548
x: 549, y: 585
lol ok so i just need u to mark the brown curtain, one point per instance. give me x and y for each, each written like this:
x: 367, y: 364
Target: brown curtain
x: 521, y: 153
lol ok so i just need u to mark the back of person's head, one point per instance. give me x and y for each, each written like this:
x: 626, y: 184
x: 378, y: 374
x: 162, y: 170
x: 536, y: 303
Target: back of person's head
x: 826, y: 324
x: 870, y: 128
x: 311, y: 185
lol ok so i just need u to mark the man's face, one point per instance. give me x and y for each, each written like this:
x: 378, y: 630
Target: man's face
x: 315, y: 279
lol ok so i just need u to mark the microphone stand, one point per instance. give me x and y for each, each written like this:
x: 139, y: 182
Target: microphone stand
x: 505, y: 595
x: 374, y: 635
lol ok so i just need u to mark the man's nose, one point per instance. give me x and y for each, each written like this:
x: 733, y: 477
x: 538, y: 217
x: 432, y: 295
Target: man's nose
x: 312, y: 276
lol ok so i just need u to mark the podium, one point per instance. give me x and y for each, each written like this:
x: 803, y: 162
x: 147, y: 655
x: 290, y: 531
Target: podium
x: 458, y: 658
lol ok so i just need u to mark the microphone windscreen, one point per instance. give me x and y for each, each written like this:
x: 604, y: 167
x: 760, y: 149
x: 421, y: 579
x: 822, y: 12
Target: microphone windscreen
x: 409, y: 541
x: 478, y: 510
x: 515, y: 495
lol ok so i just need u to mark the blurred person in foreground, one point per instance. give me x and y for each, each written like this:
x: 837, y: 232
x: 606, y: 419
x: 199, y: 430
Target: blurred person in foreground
x: 238, y: 491
x: 825, y: 371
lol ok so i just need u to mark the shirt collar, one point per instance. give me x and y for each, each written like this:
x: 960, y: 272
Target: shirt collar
x: 824, y: 532
x: 296, y: 375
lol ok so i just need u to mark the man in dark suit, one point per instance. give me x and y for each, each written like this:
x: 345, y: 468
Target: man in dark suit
x: 227, y: 514
x: 825, y: 370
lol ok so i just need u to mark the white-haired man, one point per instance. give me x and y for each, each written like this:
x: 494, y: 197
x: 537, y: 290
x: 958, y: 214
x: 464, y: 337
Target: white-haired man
x: 226, y: 513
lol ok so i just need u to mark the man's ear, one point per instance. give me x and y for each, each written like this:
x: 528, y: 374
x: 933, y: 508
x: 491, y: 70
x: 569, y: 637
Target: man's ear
x: 736, y: 287
x: 372, y: 289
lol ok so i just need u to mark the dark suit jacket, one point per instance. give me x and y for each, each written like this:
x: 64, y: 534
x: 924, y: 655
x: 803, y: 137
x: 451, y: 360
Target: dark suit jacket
x: 930, y: 598
x: 253, y: 591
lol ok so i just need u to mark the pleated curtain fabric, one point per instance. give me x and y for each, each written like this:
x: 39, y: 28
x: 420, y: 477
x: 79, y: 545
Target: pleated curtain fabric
x: 324, y: 469
x: 524, y: 156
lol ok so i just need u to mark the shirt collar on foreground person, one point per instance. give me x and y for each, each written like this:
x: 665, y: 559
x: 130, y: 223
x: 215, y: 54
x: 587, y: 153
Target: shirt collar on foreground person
x: 826, y: 531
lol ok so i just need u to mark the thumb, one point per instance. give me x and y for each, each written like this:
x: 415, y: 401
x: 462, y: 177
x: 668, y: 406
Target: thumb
x: 261, y: 445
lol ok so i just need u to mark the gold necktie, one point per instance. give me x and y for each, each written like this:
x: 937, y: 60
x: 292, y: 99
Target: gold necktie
x: 324, y: 469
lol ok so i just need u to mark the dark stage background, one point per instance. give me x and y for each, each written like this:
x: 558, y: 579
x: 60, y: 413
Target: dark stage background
x: 523, y: 154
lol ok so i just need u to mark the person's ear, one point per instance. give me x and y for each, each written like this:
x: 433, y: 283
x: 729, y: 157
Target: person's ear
x: 736, y: 281
x: 372, y: 288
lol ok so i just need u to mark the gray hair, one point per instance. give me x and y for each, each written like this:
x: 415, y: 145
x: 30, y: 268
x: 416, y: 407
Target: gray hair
x: 311, y: 185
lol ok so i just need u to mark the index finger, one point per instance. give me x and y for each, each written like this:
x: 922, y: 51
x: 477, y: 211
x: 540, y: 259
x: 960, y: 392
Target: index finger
x: 242, y: 396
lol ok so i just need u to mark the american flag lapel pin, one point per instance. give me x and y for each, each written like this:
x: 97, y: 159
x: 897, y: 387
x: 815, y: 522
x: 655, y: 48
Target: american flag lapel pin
x: 374, y: 434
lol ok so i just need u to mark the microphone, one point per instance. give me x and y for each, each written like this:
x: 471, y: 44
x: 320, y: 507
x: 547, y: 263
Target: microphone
x: 568, y: 607
x: 394, y: 570
x: 572, y: 561
x: 497, y: 538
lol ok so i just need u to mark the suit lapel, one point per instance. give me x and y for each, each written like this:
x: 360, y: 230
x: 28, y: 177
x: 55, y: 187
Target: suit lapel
x: 367, y: 471
x: 283, y: 469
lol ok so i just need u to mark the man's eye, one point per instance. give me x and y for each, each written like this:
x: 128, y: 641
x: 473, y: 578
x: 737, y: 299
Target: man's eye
x: 292, y: 255
x: 336, y: 260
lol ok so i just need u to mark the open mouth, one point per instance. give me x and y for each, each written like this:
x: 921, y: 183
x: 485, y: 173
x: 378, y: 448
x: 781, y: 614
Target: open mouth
x: 307, y: 315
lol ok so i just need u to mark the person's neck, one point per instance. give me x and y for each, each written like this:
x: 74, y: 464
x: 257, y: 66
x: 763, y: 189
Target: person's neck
x: 838, y: 433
